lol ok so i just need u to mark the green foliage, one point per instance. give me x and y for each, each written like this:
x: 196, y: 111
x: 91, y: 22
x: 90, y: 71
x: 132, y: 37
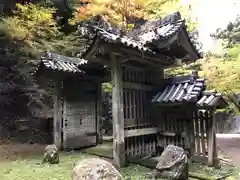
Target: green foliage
x: 158, y: 9
x: 222, y: 72
x: 25, y: 35
x: 231, y: 34
x: 34, y: 30
x: 123, y: 12
x: 221, y: 75
x: 107, y: 87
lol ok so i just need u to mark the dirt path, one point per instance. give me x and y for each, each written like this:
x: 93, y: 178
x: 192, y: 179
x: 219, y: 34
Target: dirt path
x: 13, y: 151
x: 231, y: 146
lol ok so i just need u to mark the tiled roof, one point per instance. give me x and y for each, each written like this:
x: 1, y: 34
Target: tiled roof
x: 145, y: 37
x: 180, y: 89
x: 210, y: 99
x: 161, y: 29
x: 161, y: 33
x: 62, y: 63
x: 126, y: 41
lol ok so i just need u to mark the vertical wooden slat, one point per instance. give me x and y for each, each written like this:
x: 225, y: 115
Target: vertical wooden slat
x: 185, y: 139
x: 139, y: 146
x: 178, y: 130
x: 124, y: 74
x: 132, y: 146
x: 142, y: 104
x: 127, y: 103
x: 127, y: 146
x: 64, y: 122
x: 144, y: 77
x: 192, y: 134
x: 197, y: 133
x: 98, y: 110
x: 148, y: 146
x: 212, y: 150
x: 57, y: 114
x: 154, y: 144
x: 129, y: 75
x: 134, y: 103
x: 130, y: 99
x: 136, y: 145
x: 170, y: 128
x: 182, y: 129
x: 143, y: 148
x: 165, y: 128
x: 137, y: 106
x: 208, y: 123
x: 202, y: 119
x: 124, y: 104
x: 117, y: 110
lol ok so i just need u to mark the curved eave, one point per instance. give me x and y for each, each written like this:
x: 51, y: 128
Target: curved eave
x: 193, y: 48
x: 182, y: 39
x: 100, y: 39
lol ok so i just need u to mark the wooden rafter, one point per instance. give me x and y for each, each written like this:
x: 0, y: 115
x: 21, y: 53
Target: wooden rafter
x: 185, y: 43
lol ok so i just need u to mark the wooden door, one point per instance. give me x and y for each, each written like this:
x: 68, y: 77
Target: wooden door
x: 79, y: 116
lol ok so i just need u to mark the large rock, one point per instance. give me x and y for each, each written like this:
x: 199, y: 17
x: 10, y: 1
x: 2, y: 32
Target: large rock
x: 51, y: 154
x: 95, y: 169
x: 172, y: 164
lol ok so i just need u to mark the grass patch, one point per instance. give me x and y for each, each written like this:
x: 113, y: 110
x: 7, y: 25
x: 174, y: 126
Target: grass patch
x: 30, y: 169
x: 211, y: 172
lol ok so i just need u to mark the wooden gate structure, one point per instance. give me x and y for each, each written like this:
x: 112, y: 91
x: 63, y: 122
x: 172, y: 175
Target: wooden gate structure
x: 77, y: 95
x: 79, y: 114
x: 205, y: 127
x: 185, y: 116
x: 137, y: 60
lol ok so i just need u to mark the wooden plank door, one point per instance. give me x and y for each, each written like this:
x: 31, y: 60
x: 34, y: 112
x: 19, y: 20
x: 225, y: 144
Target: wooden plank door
x: 79, y: 119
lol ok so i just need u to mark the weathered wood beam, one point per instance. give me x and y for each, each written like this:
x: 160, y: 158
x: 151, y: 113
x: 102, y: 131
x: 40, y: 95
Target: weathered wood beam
x: 98, y: 110
x: 127, y: 52
x: 156, y: 58
x: 117, y: 111
x: 167, y: 43
x: 141, y: 60
x: 191, y: 135
x: 57, y: 114
x: 137, y: 86
x: 92, y: 50
x: 140, y: 132
x: 146, y: 131
x: 185, y: 43
x: 212, y: 146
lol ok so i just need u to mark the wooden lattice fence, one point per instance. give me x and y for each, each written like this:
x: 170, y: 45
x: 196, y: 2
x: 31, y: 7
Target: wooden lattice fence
x: 204, y: 148
x: 137, y: 85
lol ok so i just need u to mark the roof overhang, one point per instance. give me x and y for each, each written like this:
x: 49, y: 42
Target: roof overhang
x: 212, y: 100
x: 148, y: 44
x: 180, y: 90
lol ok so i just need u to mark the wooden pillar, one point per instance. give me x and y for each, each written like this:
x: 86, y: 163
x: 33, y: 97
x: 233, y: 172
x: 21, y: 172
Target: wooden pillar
x: 117, y: 113
x: 191, y: 131
x: 212, y: 146
x: 98, y: 110
x: 57, y: 114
